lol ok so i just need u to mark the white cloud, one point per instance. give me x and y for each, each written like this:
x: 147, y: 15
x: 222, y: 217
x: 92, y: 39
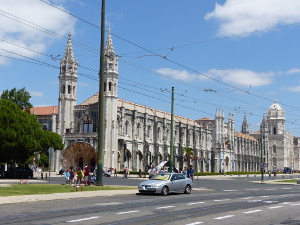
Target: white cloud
x: 177, y: 74
x: 36, y: 93
x: 292, y: 71
x: 243, y: 16
x: 241, y: 77
x: 292, y: 89
x: 12, y: 28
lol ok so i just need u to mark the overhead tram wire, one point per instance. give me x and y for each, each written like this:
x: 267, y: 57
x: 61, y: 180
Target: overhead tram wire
x: 156, y: 55
x: 159, y: 55
x: 172, y: 61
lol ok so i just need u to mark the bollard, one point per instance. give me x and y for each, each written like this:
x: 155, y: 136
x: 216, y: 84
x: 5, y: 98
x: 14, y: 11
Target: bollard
x: 46, y: 176
x: 42, y: 175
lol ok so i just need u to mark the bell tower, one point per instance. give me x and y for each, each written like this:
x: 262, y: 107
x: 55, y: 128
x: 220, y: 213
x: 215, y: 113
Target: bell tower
x: 67, y: 91
x: 111, y: 103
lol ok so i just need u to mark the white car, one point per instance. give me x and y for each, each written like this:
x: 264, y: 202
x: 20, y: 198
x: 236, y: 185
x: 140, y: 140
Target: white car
x: 165, y: 183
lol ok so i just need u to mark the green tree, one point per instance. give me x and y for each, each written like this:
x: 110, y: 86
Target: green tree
x: 19, y: 133
x: 19, y: 97
x: 49, y: 139
x: 188, y: 152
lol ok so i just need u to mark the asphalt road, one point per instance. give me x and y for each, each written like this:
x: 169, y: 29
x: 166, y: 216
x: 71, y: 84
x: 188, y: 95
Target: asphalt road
x: 230, y: 201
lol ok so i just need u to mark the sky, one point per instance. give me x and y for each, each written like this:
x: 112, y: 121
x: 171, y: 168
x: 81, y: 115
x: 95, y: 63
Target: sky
x: 235, y: 56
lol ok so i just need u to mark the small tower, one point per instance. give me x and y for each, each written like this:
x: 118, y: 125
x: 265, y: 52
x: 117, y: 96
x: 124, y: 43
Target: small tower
x: 67, y: 90
x: 245, y: 126
x: 111, y: 103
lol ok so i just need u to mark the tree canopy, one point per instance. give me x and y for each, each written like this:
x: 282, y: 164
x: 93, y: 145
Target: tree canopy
x: 21, y: 134
x: 19, y: 97
x: 188, y: 152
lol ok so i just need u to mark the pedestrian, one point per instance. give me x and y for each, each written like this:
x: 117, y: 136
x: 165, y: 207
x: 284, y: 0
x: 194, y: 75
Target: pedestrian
x: 86, y: 174
x: 72, y: 175
x: 184, y: 171
x: 79, y: 174
x: 274, y: 174
x: 115, y: 174
x: 190, y: 173
x: 67, y: 175
x: 140, y: 173
x: 269, y: 173
x: 153, y: 171
x: 125, y: 172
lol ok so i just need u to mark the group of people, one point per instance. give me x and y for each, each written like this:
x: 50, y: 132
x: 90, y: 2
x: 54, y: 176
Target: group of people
x: 78, y: 176
x: 187, y: 172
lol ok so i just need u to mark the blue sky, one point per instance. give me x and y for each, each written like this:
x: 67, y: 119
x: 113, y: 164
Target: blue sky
x: 236, y: 55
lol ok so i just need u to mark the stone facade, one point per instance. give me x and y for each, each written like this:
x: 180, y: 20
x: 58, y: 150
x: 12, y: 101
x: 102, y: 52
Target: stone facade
x: 136, y: 135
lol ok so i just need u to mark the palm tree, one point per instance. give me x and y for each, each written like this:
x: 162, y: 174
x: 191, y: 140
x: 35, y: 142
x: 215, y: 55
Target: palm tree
x: 188, y: 152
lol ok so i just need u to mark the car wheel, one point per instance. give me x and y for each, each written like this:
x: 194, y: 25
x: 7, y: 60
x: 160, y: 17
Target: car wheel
x: 165, y: 190
x: 187, y: 189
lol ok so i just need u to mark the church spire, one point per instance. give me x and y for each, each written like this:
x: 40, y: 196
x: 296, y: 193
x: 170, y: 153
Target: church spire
x: 109, y: 48
x: 69, y: 55
x: 245, y: 126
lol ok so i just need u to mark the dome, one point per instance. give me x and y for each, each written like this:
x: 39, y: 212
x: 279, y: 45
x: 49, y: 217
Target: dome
x: 276, y: 111
x: 275, y: 106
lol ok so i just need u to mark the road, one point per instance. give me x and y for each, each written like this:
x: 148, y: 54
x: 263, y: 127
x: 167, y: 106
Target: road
x: 219, y: 201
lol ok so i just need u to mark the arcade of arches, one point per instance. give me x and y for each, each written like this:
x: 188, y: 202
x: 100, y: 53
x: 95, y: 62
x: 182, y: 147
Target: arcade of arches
x: 79, y: 154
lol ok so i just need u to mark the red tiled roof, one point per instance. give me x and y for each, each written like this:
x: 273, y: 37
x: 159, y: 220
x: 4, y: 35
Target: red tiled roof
x: 47, y: 110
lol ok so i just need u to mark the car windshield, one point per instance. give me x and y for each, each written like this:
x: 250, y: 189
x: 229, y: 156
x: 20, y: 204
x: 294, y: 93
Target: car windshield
x: 161, y: 177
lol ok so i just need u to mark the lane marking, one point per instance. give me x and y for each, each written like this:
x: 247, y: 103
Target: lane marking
x: 265, y: 196
x: 296, y: 204
x: 194, y: 203
x: 254, y: 189
x: 194, y: 223
x: 285, y: 203
x: 271, y: 189
x: 230, y: 190
x: 287, y: 188
x: 165, y: 207
x: 269, y: 202
x: 276, y: 207
x: 254, y: 211
x: 247, y: 198
x: 120, y: 213
x: 109, y: 203
x: 223, y: 217
x: 90, y: 218
x: 221, y: 200
x: 255, y: 201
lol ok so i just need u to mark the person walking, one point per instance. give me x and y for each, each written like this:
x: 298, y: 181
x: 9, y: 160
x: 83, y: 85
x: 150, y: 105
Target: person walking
x: 185, y: 171
x: 67, y: 175
x: 153, y: 171
x: 86, y: 174
x: 115, y: 174
x: 190, y: 173
x: 79, y: 175
x: 72, y: 175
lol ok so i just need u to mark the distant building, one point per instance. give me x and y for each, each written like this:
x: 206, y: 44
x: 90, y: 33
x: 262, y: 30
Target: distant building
x: 137, y: 135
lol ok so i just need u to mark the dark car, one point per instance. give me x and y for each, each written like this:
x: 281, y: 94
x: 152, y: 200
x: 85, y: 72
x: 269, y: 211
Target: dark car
x: 19, y: 172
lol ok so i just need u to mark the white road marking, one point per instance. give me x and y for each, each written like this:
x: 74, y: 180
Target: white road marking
x: 296, y: 204
x: 285, y: 203
x: 90, y: 218
x: 255, y: 201
x: 221, y: 200
x: 120, y: 213
x: 252, y: 189
x: 287, y: 188
x: 271, y: 189
x: 270, y: 202
x: 194, y: 223
x: 194, y: 203
x: 110, y: 203
x: 223, y: 217
x: 165, y: 207
x: 276, y: 207
x: 254, y: 211
x: 264, y: 196
x: 247, y: 198
x: 230, y: 190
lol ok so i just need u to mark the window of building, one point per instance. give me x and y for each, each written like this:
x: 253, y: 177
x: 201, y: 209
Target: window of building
x: 148, y: 131
x: 274, y: 149
x: 274, y: 130
x: 126, y: 127
x: 110, y: 86
x: 110, y: 65
x: 63, y: 88
x: 69, y: 89
x: 45, y: 127
x: 139, y: 130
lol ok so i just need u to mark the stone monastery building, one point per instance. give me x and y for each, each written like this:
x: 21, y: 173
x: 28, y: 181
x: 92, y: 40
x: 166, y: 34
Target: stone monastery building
x: 136, y: 135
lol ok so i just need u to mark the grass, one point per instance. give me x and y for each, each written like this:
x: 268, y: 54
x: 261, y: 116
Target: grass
x: 33, y: 189
x: 288, y: 181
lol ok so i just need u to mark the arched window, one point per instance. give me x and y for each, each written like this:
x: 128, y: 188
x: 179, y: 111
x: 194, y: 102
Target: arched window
x: 126, y: 127
x: 109, y: 86
x: 158, y: 134
x: 139, y: 130
x: 148, y: 131
x: 274, y: 149
x: 45, y: 127
x: 274, y: 130
x: 69, y: 89
x: 63, y: 88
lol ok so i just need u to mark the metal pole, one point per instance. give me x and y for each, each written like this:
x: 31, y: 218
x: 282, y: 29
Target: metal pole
x: 172, y: 131
x: 101, y: 101
x: 261, y: 154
